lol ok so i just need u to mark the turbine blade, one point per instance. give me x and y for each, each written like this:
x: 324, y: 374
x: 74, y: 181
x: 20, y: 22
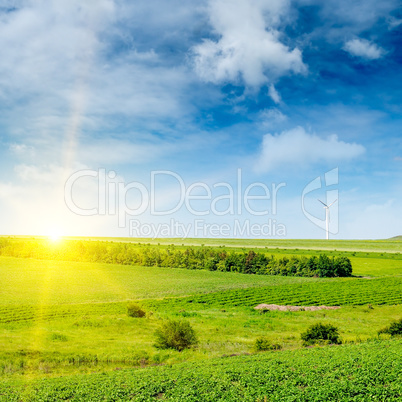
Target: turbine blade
x: 332, y: 203
x: 325, y: 205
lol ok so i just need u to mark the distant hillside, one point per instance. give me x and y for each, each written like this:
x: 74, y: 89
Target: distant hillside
x: 396, y: 238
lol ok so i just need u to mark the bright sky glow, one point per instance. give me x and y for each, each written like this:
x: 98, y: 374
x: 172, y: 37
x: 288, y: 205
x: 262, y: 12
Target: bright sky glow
x: 55, y: 235
x: 285, y: 90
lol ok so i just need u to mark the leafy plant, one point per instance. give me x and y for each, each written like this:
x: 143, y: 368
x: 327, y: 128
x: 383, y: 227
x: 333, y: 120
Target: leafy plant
x: 174, y: 334
x: 321, y: 334
x: 394, y: 329
x: 263, y: 343
x: 133, y: 310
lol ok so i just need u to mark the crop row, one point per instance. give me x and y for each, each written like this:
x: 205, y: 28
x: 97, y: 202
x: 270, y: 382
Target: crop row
x: 331, y: 293
x: 10, y: 314
x: 364, y: 372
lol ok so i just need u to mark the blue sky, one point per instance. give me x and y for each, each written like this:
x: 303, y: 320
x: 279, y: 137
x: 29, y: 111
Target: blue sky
x: 279, y: 92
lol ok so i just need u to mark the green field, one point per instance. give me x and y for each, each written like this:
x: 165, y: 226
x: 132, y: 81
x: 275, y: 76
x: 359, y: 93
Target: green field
x: 69, y: 319
x: 58, y: 282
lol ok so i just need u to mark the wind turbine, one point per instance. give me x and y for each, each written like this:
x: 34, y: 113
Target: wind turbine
x: 326, y: 207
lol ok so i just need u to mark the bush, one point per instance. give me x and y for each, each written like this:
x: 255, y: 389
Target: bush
x: 262, y: 344
x: 177, y: 335
x: 321, y: 334
x: 133, y: 310
x: 394, y: 329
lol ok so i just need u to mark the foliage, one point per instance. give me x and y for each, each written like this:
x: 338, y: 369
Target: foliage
x: 321, y: 333
x: 212, y: 259
x: 174, y: 334
x: 58, y: 337
x: 134, y: 310
x: 394, y: 329
x: 262, y: 344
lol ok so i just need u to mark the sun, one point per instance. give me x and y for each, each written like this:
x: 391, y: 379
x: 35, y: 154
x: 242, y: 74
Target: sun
x: 55, y: 236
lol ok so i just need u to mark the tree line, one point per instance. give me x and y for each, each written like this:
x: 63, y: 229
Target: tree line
x: 208, y: 258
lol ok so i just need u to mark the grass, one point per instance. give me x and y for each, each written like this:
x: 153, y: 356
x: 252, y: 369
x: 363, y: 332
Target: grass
x: 367, y: 266
x: 95, y: 343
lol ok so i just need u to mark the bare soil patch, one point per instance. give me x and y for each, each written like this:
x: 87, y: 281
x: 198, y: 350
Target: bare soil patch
x: 275, y: 307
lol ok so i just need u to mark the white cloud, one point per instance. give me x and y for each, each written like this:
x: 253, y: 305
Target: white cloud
x: 134, y: 152
x: 274, y: 94
x: 249, y: 46
x: 340, y: 19
x: 299, y: 148
x: 363, y: 48
x: 394, y: 22
x: 269, y: 118
x: 22, y: 150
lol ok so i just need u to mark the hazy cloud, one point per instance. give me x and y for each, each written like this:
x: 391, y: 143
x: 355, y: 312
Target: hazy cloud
x: 269, y: 118
x: 298, y: 148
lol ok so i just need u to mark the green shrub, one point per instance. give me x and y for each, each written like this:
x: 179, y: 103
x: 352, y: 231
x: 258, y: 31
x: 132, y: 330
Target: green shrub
x: 177, y: 335
x: 321, y: 334
x: 394, y: 329
x: 263, y: 343
x: 133, y: 310
x: 58, y: 337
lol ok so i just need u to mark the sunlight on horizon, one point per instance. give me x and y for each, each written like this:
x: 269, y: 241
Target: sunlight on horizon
x: 55, y: 235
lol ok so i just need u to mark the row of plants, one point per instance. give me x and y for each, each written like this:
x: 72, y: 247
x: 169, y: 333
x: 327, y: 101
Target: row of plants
x: 362, y: 372
x: 337, y: 292
x: 207, y: 258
